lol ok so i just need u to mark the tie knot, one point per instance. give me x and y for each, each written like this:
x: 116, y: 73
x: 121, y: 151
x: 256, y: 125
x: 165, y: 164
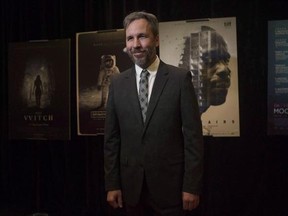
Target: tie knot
x: 144, y: 73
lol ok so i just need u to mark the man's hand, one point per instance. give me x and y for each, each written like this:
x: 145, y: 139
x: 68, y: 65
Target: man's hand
x: 114, y: 198
x: 190, y: 201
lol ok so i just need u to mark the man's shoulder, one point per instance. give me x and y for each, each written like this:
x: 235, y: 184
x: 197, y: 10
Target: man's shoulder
x: 123, y: 74
x: 126, y: 72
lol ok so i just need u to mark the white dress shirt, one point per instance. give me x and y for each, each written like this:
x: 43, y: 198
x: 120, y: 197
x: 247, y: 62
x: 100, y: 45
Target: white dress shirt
x: 152, y: 69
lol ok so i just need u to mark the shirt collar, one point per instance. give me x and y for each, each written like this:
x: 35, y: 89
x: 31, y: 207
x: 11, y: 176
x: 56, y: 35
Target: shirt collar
x: 152, y: 69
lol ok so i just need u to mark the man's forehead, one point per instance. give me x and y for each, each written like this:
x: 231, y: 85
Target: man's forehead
x: 138, y: 24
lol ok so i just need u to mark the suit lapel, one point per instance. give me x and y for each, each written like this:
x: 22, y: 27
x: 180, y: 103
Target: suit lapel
x: 132, y: 99
x: 160, y: 81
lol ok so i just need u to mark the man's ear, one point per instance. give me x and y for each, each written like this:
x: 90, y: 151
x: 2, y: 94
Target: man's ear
x: 157, y: 41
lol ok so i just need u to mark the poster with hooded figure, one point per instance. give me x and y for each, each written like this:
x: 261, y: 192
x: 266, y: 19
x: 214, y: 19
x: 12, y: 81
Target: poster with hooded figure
x: 39, y: 90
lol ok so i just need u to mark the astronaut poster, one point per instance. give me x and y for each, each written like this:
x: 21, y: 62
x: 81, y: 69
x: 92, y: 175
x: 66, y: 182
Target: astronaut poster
x: 207, y: 48
x: 39, y: 90
x: 99, y: 55
x: 278, y: 77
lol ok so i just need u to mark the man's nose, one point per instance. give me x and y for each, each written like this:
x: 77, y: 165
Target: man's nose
x: 136, y: 43
x: 223, y: 71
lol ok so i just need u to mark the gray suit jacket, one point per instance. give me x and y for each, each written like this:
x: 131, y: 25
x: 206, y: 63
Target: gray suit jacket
x: 167, y: 150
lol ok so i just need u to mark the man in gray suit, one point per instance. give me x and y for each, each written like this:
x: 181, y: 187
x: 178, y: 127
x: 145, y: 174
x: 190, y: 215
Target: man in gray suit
x: 153, y: 162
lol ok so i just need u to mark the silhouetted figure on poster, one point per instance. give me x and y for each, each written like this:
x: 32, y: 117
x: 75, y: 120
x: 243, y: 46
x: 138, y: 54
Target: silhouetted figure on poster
x: 107, y: 69
x: 38, y: 89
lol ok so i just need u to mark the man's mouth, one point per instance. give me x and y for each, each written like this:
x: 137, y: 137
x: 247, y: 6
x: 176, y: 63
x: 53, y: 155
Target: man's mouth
x: 138, y: 54
x: 220, y: 84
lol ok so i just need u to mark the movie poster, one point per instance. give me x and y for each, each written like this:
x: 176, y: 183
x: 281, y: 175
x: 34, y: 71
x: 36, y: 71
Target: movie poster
x: 99, y: 55
x: 39, y: 95
x: 207, y: 48
x: 278, y: 77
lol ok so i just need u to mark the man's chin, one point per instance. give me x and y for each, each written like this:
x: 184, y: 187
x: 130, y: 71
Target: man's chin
x: 140, y: 62
x: 218, y: 96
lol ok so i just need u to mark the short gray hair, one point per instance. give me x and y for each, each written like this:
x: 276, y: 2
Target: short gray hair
x: 151, y: 19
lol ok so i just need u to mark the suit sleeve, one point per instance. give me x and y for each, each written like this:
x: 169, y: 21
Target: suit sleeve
x: 193, y: 138
x: 112, y: 144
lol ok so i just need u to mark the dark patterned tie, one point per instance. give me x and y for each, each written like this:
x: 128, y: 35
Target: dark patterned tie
x: 143, y: 92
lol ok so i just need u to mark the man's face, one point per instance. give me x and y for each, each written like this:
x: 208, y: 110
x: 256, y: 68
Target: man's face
x: 218, y: 81
x: 141, y: 43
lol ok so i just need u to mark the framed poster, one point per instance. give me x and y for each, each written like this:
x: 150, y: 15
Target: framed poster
x: 99, y: 55
x: 278, y: 77
x: 207, y: 48
x: 39, y: 90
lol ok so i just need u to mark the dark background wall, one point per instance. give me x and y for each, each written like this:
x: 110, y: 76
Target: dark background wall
x: 244, y: 175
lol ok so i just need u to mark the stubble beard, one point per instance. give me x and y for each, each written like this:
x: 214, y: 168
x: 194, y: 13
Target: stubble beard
x: 146, y: 60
